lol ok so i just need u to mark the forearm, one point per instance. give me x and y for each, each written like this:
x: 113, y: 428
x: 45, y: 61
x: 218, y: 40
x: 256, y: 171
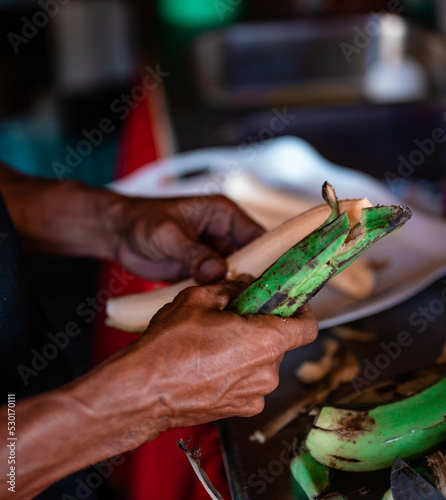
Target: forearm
x: 196, y: 363
x: 86, y: 422
x: 59, y: 217
x: 156, y: 238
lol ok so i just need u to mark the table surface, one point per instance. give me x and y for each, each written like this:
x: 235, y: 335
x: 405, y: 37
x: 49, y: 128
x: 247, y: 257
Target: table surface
x: 260, y: 471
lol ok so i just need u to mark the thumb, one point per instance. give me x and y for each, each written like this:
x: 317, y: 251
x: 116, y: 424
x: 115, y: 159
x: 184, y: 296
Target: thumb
x: 200, y: 261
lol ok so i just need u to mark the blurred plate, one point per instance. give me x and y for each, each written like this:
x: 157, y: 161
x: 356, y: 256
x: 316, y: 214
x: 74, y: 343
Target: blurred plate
x: 282, y: 177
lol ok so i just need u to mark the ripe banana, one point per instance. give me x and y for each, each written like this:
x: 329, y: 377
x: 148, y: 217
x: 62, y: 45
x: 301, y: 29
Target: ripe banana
x: 370, y: 438
x: 133, y: 312
x: 306, y: 267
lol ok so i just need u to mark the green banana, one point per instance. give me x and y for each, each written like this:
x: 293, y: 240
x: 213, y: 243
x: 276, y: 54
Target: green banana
x: 305, y: 268
x: 311, y: 475
x: 388, y: 495
x: 370, y: 438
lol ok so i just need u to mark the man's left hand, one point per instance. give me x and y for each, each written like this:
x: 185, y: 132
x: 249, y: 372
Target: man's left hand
x: 170, y: 239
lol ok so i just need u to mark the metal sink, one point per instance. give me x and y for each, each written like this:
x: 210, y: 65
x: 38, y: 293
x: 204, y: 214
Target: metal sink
x: 375, y: 58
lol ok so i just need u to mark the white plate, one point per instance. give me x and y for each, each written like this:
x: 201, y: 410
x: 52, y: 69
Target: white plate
x: 414, y: 256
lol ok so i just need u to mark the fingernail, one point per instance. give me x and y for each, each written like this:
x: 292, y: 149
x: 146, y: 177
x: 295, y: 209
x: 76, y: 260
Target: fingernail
x: 212, y: 268
x: 244, y: 278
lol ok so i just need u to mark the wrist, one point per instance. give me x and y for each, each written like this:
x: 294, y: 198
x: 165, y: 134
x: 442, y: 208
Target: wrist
x: 107, y: 412
x: 111, y: 216
x: 120, y: 401
x: 80, y: 215
x: 104, y: 209
x: 56, y: 439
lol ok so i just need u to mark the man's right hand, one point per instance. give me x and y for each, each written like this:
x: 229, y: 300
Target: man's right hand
x: 195, y: 363
x: 202, y: 363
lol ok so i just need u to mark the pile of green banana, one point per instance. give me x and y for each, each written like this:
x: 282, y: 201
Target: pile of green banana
x: 365, y: 437
x: 306, y: 267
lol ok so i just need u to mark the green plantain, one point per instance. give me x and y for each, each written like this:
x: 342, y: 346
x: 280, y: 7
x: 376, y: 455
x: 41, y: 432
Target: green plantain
x: 311, y: 475
x: 307, y: 266
x: 369, y: 438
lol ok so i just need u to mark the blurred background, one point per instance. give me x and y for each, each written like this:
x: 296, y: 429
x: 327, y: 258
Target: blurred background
x: 361, y: 80
x: 65, y: 62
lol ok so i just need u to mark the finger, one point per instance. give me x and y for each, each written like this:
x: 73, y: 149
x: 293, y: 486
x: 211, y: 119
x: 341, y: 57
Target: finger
x: 214, y: 297
x: 200, y: 261
x: 244, y: 278
x: 223, y: 246
x: 278, y: 362
x: 290, y: 332
x: 253, y: 407
x: 141, y: 266
x: 301, y: 329
x: 245, y: 229
x: 227, y: 225
x: 242, y: 406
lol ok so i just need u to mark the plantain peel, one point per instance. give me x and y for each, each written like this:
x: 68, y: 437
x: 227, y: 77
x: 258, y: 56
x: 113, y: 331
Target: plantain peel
x: 306, y: 267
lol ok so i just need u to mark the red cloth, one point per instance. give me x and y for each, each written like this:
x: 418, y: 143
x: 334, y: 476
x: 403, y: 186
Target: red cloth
x: 158, y: 469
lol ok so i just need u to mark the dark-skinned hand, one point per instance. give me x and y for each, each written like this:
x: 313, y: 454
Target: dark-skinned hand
x: 170, y: 239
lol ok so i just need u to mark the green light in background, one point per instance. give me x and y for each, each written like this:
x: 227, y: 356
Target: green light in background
x: 199, y: 13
